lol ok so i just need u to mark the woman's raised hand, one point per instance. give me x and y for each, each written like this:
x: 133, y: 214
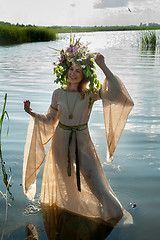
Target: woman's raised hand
x: 27, y: 108
x: 99, y: 59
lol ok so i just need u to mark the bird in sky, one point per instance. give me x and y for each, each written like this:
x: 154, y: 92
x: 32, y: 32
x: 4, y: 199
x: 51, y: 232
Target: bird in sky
x: 129, y: 9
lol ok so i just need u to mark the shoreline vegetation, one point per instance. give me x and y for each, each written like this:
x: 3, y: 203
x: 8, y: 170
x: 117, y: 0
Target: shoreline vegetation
x: 149, y: 40
x: 17, y: 34
x: 102, y: 29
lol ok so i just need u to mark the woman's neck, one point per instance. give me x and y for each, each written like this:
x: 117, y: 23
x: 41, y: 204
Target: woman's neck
x: 72, y: 87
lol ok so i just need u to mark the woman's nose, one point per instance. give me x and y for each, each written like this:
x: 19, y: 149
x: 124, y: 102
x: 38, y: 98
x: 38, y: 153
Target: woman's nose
x: 73, y: 72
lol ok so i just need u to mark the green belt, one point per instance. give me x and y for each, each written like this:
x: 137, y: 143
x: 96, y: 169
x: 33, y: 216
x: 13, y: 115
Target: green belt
x: 74, y: 129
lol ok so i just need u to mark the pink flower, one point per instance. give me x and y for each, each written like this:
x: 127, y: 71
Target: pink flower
x: 69, y: 49
x: 73, y: 50
x: 62, y: 57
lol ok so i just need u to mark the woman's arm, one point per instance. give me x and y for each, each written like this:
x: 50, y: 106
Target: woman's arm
x: 100, y: 60
x: 27, y: 108
x: 46, y: 118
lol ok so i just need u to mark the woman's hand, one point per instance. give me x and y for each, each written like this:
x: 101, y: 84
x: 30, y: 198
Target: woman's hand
x: 99, y: 59
x: 27, y: 106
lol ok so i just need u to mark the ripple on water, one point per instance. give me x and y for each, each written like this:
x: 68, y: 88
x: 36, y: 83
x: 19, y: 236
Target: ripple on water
x: 33, y: 207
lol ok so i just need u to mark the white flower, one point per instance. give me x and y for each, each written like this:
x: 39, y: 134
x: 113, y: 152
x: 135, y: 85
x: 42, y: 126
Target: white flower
x: 83, y: 66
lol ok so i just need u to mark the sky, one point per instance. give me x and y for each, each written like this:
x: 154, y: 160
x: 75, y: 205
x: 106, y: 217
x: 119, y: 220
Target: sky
x: 80, y: 12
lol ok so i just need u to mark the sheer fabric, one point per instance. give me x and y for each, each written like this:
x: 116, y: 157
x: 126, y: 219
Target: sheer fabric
x: 96, y: 199
x: 117, y: 105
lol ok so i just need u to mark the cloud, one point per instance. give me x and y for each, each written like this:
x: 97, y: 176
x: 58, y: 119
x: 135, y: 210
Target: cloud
x: 72, y: 4
x: 95, y: 12
x: 111, y: 3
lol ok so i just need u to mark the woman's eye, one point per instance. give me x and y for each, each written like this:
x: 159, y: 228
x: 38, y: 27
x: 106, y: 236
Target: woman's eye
x: 78, y: 71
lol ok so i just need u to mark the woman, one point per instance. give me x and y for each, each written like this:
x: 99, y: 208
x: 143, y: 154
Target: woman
x: 73, y: 177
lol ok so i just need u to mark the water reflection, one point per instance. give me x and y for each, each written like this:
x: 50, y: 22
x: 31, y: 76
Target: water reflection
x: 150, y: 57
x: 61, y: 224
x: 31, y: 232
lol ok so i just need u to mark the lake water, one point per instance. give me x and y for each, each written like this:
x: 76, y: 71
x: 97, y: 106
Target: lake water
x: 26, y: 72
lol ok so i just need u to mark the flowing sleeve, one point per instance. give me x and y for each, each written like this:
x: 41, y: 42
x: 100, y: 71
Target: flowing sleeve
x: 117, y: 105
x: 40, y: 131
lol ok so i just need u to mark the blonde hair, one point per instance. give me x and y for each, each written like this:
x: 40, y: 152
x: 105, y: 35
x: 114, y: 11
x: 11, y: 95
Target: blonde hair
x: 82, y: 87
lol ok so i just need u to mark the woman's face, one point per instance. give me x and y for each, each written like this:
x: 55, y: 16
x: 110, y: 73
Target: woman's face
x: 75, y: 74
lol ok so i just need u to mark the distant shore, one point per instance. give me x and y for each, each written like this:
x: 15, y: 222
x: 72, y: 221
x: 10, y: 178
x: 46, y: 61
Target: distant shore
x: 98, y: 29
x: 16, y: 34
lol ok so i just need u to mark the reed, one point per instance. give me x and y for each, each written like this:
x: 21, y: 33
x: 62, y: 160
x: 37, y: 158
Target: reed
x: 5, y: 175
x: 3, y: 115
x: 149, y: 40
x: 11, y: 34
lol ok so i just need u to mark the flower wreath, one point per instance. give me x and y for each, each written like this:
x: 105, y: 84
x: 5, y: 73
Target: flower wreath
x: 78, y: 54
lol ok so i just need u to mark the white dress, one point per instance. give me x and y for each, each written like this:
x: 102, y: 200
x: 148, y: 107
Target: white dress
x: 96, y: 200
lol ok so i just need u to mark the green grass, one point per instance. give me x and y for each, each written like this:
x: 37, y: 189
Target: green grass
x: 11, y: 34
x: 149, y: 40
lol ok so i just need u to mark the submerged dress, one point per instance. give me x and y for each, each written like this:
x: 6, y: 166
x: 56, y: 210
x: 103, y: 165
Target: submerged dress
x: 96, y: 199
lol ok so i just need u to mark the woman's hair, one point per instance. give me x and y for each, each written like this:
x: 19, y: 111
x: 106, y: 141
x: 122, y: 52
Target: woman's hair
x: 82, y: 87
